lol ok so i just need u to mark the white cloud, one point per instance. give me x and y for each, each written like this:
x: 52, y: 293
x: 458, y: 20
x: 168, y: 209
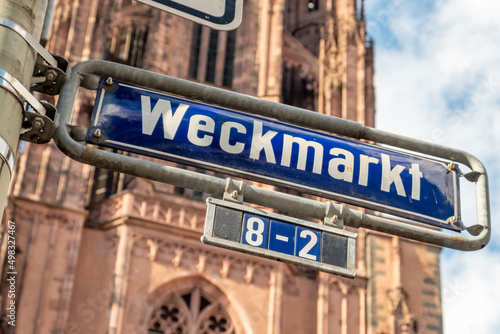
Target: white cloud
x: 470, y: 292
x: 438, y: 79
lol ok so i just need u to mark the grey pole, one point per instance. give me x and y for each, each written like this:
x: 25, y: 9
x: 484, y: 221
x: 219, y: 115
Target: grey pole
x: 47, y: 24
x: 17, y: 58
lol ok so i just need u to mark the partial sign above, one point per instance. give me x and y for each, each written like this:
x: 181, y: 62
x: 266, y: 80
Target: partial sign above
x: 147, y: 122
x: 217, y: 14
x: 274, y: 236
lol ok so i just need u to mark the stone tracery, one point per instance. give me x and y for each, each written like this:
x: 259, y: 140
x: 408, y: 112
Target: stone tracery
x: 189, y: 312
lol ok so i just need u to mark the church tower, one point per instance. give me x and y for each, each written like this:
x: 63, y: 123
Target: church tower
x: 103, y: 252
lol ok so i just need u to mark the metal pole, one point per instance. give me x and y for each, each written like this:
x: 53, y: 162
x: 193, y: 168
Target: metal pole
x: 18, y: 59
x: 47, y: 24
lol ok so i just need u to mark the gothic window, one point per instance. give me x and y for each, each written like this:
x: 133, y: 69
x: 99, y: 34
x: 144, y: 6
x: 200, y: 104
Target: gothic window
x: 212, y: 56
x: 190, y: 312
x: 297, y: 90
x: 229, y: 61
x: 195, y: 51
x: 105, y: 183
x: 128, y: 44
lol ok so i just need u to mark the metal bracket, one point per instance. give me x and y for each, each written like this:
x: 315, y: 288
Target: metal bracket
x: 233, y: 192
x: 476, y: 229
x: 37, y: 128
x: 30, y: 39
x: 472, y: 176
x: 6, y: 154
x: 48, y: 79
x: 20, y: 92
x: 334, y: 217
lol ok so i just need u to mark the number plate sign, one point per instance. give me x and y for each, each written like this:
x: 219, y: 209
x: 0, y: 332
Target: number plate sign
x: 274, y: 236
x: 218, y: 14
x: 148, y: 122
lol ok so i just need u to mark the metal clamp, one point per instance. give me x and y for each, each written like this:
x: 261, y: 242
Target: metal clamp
x: 21, y: 93
x: 333, y: 216
x: 7, y: 86
x: 233, y: 191
x: 6, y: 154
x: 47, y: 79
x: 38, y: 126
x: 30, y: 39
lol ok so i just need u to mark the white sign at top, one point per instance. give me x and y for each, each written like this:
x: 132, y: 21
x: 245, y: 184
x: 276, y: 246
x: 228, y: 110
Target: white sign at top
x: 217, y: 14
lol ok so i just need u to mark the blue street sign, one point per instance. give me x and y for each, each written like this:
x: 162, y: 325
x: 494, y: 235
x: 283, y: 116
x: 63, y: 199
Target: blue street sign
x: 245, y: 229
x: 152, y: 123
x: 218, y: 14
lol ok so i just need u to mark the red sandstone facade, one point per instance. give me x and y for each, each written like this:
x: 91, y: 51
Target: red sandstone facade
x: 101, y: 252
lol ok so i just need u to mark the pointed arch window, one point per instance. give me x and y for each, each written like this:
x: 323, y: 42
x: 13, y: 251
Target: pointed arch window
x: 128, y: 45
x: 190, y: 312
x: 212, y: 56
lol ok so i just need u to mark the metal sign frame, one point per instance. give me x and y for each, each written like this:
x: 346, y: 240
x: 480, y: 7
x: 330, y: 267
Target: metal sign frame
x: 87, y: 75
x: 119, y: 117
x: 348, y: 268
x: 228, y: 17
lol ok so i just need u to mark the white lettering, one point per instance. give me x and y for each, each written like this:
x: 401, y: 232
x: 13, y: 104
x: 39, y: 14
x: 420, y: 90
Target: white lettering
x: 200, y: 123
x: 170, y: 122
x: 260, y: 142
x: 416, y: 175
x: 347, y: 162
x: 364, y: 165
x: 304, y: 145
x: 225, y: 137
x: 234, y: 138
x: 390, y: 176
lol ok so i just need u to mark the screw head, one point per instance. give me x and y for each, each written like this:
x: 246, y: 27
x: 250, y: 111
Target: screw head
x: 51, y: 75
x: 452, y: 220
x: 38, y: 123
x: 97, y: 134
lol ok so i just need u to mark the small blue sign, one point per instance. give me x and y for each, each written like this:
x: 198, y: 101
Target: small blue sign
x: 282, y: 237
x: 308, y: 244
x: 271, y: 235
x: 147, y: 122
x: 255, y: 231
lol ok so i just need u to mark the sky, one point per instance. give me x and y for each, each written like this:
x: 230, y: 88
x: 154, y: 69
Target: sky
x: 437, y: 78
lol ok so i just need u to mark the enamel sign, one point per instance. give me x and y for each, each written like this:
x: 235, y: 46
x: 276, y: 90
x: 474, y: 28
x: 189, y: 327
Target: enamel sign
x: 190, y: 132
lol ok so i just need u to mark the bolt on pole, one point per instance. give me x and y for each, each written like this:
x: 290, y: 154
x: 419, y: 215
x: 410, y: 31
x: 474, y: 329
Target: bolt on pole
x: 17, y: 58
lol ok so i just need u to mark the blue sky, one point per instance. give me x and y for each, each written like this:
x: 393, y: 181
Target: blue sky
x: 437, y: 76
